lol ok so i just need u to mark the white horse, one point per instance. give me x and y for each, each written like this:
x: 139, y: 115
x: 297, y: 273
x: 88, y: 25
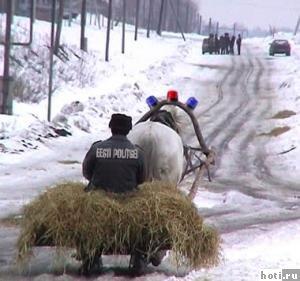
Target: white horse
x: 163, y: 149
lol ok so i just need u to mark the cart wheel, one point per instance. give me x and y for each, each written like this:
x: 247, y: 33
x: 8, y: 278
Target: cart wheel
x: 157, y: 258
x: 90, y: 266
x: 138, y: 264
x: 84, y: 269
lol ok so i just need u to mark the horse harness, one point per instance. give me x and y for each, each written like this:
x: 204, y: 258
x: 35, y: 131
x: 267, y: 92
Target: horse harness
x: 165, y: 117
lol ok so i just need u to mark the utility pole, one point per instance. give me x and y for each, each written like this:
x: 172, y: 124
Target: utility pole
x: 108, y: 30
x: 123, y: 26
x: 70, y: 13
x: 272, y: 30
x: 217, y: 28
x: 200, y: 24
x: 149, y: 17
x: 164, y: 17
x: 5, y: 101
x: 59, y: 25
x: 162, y: 5
x: 144, y: 13
x: 187, y: 13
x: 177, y: 13
x: 178, y: 26
x: 83, y: 41
x: 53, y: 16
x: 209, y: 26
x: 34, y: 10
x: 297, y: 26
x: 137, y: 13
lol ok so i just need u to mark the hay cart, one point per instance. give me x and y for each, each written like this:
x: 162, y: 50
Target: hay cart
x: 67, y: 217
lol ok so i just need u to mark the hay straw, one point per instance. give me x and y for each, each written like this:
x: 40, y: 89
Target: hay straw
x: 157, y: 216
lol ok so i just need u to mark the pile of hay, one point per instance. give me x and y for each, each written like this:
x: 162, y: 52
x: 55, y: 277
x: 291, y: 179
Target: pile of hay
x: 157, y: 216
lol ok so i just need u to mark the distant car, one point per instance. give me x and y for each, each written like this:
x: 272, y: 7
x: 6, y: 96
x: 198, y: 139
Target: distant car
x: 205, y: 46
x: 280, y: 46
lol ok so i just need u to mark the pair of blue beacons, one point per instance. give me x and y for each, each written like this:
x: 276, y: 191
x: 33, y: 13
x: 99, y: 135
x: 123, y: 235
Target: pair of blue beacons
x: 191, y: 103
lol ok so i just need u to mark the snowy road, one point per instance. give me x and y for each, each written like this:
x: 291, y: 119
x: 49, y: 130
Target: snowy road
x: 243, y: 104
x: 245, y: 200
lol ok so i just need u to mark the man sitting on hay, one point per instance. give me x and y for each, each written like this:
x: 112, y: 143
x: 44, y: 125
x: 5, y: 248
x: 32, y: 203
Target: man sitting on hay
x: 116, y: 165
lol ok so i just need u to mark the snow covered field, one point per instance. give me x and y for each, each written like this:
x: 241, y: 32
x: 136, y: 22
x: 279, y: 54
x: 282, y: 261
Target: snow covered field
x: 32, y: 158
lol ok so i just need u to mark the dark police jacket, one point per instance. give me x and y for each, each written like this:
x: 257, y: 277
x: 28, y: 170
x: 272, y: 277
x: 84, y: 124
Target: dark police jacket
x: 114, y: 165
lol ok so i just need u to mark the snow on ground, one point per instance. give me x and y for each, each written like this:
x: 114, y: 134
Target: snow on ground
x: 247, y: 253
x: 32, y: 156
x: 284, y: 150
x: 286, y: 85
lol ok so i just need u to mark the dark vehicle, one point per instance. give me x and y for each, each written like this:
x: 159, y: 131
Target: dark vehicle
x: 280, y: 47
x: 205, y: 46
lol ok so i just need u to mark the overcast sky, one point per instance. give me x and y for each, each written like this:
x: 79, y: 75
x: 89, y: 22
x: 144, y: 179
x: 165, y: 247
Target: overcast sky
x: 252, y: 13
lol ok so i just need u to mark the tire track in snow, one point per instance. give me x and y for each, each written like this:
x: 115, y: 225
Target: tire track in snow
x: 242, y: 114
x: 262, y: 171
x: 220, y: 89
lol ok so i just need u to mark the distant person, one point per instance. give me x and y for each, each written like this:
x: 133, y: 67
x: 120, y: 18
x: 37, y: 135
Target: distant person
x: 211, y: 43
x: 232, y: 41
x: 217, y: 44
x: 227, y: 42
x: 222, y: 44
x: 239, y: 43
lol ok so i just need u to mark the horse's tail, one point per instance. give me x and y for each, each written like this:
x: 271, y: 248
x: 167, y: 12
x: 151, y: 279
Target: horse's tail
x: 148, y: 145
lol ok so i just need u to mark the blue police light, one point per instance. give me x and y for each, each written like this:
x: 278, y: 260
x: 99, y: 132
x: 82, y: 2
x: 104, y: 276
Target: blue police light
x: 152, y: 101
x: 191, y: 103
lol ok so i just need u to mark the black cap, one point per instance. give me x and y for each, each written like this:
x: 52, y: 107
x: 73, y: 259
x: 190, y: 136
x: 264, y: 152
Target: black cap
x: 120, y: 124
